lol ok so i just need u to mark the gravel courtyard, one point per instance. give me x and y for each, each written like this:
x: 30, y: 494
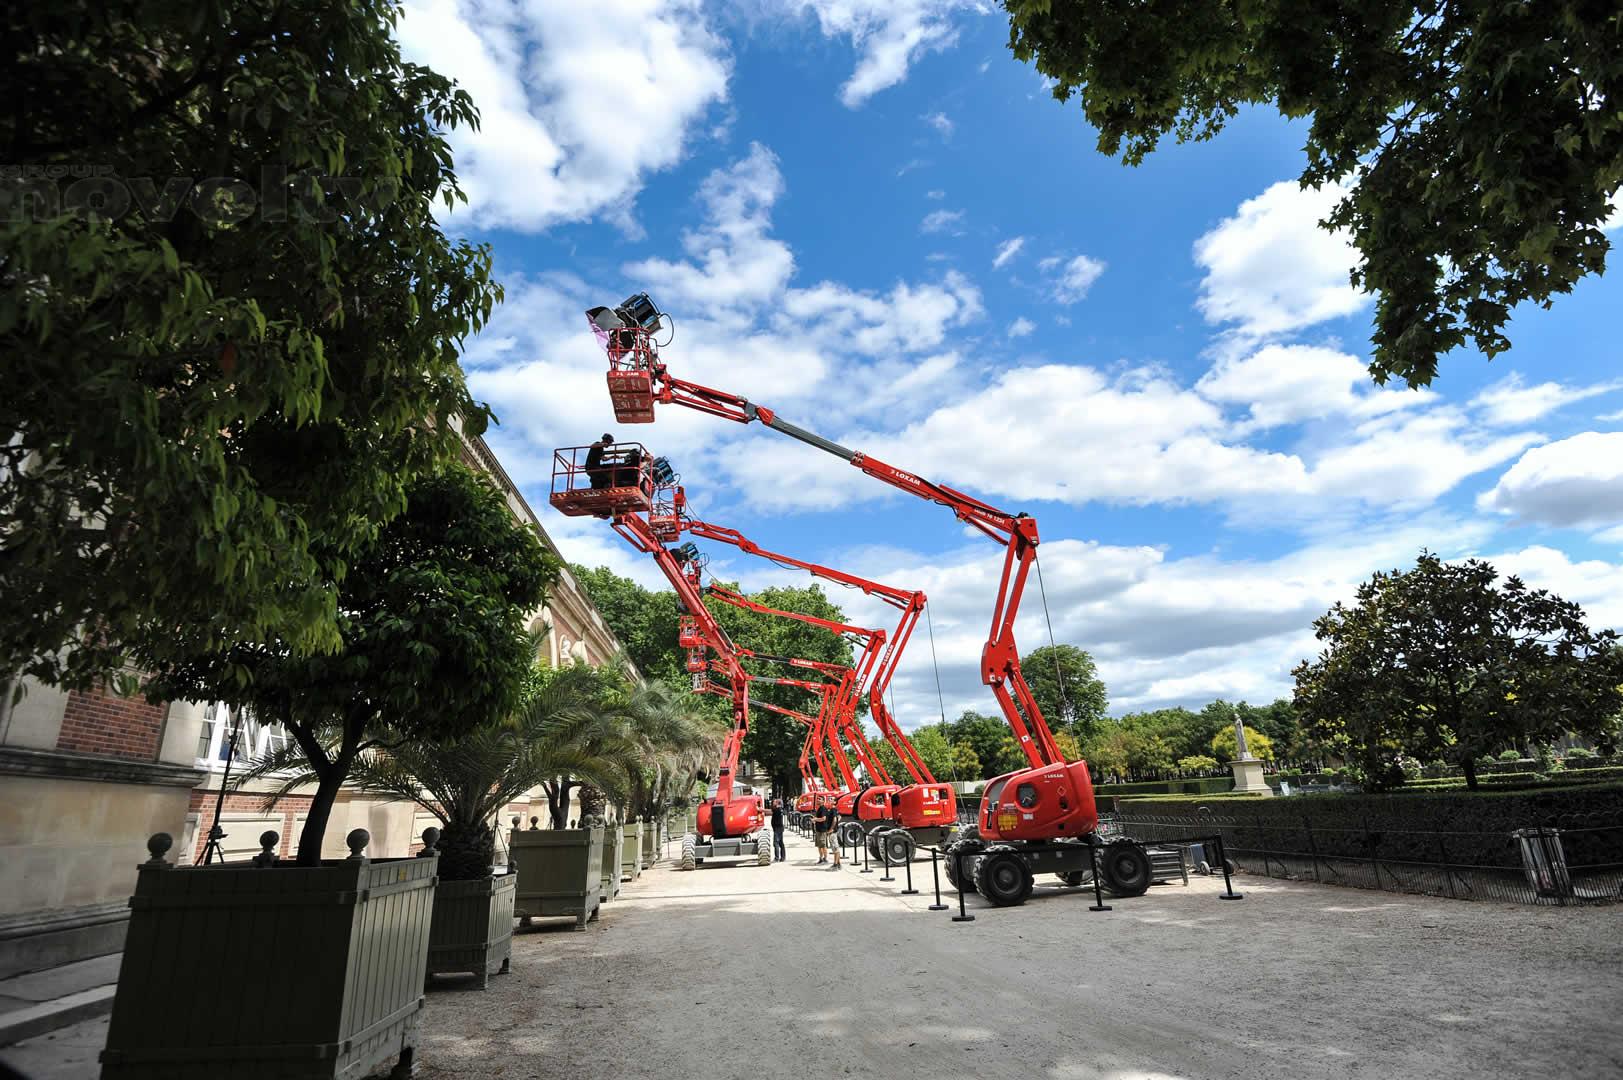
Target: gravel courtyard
x: 794, y: 970
x: 797, y: 971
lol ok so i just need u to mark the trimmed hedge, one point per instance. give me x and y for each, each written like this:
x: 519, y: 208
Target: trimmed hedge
x: 1197, y: 786
x: 1468, y: 828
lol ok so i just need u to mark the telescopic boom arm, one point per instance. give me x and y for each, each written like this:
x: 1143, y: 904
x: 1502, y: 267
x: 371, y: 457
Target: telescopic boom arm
x: 884, y: 653
x: 640, y: 535
x: 637, y: 373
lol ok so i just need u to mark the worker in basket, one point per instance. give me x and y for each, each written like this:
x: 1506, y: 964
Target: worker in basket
x: 599, y: 470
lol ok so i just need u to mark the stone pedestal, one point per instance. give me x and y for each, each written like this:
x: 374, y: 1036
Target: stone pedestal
x: 1248, y: 776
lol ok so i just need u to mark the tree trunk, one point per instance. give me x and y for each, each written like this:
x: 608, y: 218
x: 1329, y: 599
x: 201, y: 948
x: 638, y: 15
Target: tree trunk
x: 558, y: 803
x: 592, y: 802
x: 1468, y: 764
x: 467, y: 848
x: 315, y: 821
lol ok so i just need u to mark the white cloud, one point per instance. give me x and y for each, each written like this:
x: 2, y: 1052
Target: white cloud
x: 1163, y: 630
x: 941, y: 221
x: 889, y: 35
x: 1594, y: 584
x: 1573, y: 482
x: 1006, y: 251
x: 1021, y: 327
x: 1615, y: 221
x: 737, y: 261
x: 1076, y: 278
x: 936, y: 194
x: 941, y: 122
x: 1139, y: 438
x: 1512, y: 401
x: 572, y: 119
x: 1287, y: 384
x: 1271, y: 269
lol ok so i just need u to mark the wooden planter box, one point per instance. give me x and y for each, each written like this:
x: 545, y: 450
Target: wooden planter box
x: 631, y: 859
x: 650, y: 844
x: 560, y: 872
x: 614, y: 843
x: 287, y: 971
x: 473, y: 927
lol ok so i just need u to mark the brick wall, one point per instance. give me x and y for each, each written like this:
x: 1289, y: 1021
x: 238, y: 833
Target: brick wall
x: 290, y: 808
x: 101, y: 723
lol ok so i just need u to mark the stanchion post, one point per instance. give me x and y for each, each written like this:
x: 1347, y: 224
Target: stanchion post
x: 1098, y: 893
x: 884, y: 854
x: 1228, y: 885
x: 935, y: 872
x: 962, y: 916
x: 866, y: 869
x: 910, y: 890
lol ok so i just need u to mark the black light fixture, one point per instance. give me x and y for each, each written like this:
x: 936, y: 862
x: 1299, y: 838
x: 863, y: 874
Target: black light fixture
x: 637, y: 310
x: 686, y: 553
x: 663, y: 471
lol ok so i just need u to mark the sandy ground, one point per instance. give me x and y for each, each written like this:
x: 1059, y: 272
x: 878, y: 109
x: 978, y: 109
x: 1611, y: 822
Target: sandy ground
x: 793, y: 970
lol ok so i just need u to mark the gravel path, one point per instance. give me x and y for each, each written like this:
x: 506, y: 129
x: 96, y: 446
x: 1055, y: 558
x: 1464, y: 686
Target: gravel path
x: 793, y: 970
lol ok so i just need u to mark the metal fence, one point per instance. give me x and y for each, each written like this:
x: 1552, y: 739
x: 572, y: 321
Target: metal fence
x: 1576, y: 859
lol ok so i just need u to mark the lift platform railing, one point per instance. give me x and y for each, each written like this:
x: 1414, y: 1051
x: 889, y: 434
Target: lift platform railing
x: 621, y: 483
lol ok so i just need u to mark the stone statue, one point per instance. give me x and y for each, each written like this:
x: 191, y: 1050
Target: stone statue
x: 1239, y: 740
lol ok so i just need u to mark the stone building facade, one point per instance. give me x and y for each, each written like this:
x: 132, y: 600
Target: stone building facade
x: 85, y: 778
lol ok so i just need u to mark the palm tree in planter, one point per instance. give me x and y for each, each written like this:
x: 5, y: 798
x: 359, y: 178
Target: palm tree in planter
x: 467, y: 783
x: 675, y: 736
x: 432, y: 615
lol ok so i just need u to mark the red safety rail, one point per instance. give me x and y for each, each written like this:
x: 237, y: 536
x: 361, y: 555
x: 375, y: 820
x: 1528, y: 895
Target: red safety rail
x: 611, y: 487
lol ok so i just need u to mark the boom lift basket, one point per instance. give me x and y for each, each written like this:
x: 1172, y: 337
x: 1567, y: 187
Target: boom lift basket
x: 632, y: 356
x: 620, y: 487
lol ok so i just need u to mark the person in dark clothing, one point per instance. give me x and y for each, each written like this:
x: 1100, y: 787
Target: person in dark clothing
x: 824, y: 822
x: 779, y: 852
x: 630, y: 465
x: 601, y: 474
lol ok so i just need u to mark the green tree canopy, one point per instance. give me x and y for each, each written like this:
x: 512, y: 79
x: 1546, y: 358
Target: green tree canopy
x: 1480, y: 141
x: 1258, y: 745
x: 1443, y: 661
x: 1067, y: 687
x: 989, y: 739
x: 646, y: 623
x: 231, y: 351
x: 432, y: 616
x: 644, y: 620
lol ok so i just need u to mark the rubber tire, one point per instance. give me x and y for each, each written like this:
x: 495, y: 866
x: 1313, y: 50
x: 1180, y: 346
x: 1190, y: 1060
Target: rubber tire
x: 898, y: 846
x: 872, y: 842
x: 1126, y: 869
x: 1003, y: 877
x: 763, y: 851
x: 1073, y: 878
x: 688, y: 861
x: 850, y: 834
x: 972, y: 847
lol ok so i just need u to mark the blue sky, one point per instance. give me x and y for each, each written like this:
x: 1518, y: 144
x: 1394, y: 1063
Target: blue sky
x: 867, y: 215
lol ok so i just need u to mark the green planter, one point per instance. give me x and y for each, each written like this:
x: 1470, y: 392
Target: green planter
x: 650, y: 844
x: 473, y: 927
x: 296, y: 972
x: 631, y: 858
x: 559, y: 873
x: 614, y: 843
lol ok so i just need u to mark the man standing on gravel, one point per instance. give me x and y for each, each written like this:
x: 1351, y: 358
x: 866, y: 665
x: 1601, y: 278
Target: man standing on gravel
x: 823, y: 822
x: 779, y: 852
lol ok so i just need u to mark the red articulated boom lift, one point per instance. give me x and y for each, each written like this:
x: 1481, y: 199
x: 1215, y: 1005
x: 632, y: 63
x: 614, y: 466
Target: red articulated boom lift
x: 731, y: 824
x: 1041, y: 819
x: 898, y: 816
